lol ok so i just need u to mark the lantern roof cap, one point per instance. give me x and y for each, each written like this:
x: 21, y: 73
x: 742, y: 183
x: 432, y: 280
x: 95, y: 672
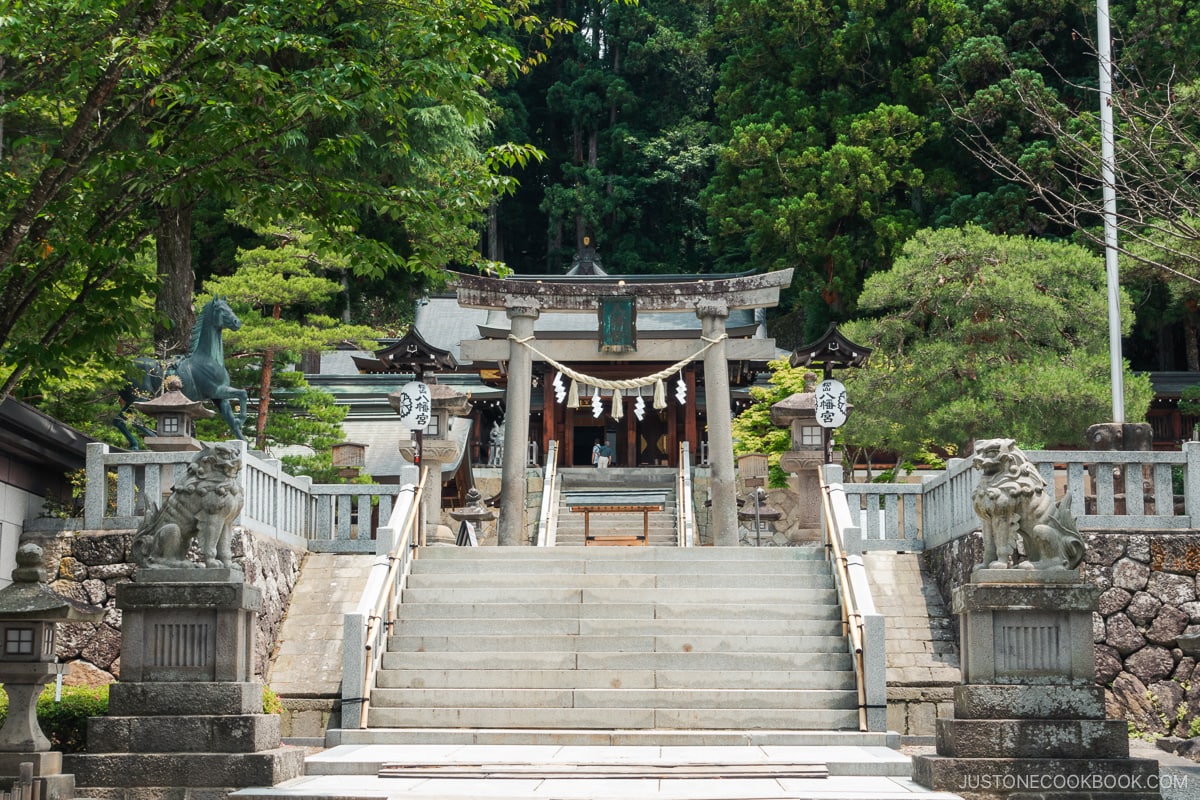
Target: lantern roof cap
x: 174, y: 400
x: 29, y: 599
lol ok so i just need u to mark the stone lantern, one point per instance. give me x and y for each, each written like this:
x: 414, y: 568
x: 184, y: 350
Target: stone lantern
x: 432, y: 448
x: 472, y: 515
x: 29, y: 611
x: 799, y: 412
x: 174, y: 418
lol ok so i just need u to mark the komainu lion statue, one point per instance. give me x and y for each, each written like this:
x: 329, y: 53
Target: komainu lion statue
x: 202, y: 507
x: 1011, y: 499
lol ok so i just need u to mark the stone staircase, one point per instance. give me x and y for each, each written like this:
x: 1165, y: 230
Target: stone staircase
x: 637, y: 638
x: 612, y: 673
x: 615, y: 488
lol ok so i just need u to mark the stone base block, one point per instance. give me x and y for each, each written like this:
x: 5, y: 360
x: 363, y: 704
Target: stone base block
x: 195, y: 574
x: 1040, y: 778
x: 160, y: 596
x: 1026, y: 576
x: 48, y: 762
x: 1032, y: 738
x: 160, y: 793
x: 184, y: 699
x: 183, y: 770
x: 1002, y: 701
x: 48, y: 787
x: 246, y: 733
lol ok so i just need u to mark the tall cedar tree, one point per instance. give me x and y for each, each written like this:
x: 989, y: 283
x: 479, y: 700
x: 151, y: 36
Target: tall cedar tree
x: 118, y: 116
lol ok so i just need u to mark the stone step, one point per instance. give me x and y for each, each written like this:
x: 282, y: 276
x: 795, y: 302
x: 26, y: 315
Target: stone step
x: 364, y: 739
x: 565, y: 660
x: 736, y: 699
x: 575, y: 626
x: 592, y: 562
x: 644, y: 610
x: 836, y: 674
x: 614, y: 644
x: 640, y: 580
x: 635, y: 718
x: 467, y: 595
x: 485, y: 555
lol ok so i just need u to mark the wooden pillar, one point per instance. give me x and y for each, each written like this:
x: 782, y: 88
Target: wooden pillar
x: 631, y: 434
x: 549, y: 412
x: 691, y: 431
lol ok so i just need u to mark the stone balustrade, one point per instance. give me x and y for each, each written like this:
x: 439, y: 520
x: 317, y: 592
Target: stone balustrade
x: 294, y: 510
x: 920, y: 516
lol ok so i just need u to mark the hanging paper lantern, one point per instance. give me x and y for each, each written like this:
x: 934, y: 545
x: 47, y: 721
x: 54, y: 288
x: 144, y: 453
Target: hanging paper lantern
x: 415, y: 405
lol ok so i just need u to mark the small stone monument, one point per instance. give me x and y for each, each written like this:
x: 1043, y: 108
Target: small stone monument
x: 471, y: 518
x: 186, y: 717
x: 28, y: 613
x: 1029, y: 720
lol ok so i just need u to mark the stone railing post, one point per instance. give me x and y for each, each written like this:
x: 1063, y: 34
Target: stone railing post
x: 95, y: 497
x: 1191, y: 482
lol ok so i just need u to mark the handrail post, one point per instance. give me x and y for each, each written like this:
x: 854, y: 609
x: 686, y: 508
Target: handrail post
x: 875, y: 671
x: 354, y: 685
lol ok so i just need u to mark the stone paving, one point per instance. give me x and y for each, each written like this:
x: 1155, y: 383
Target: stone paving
x: 882, y: 773
x: 922, y: 657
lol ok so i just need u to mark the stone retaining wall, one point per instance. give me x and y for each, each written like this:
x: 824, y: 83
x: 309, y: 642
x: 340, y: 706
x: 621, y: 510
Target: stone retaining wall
x: 89, y: 565
x: 1148, y: 619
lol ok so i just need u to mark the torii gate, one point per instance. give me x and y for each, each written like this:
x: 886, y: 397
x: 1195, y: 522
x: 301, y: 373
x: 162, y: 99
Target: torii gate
x: 524, y: 299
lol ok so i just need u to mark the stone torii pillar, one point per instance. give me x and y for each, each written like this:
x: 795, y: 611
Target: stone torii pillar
x: 724, y: 524
x: 511, y: 531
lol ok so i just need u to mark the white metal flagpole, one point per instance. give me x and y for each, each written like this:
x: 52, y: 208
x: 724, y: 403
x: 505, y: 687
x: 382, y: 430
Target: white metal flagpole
x: 1108, y: 172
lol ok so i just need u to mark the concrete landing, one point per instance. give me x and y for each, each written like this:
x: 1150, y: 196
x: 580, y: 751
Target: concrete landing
x: 722, y: 773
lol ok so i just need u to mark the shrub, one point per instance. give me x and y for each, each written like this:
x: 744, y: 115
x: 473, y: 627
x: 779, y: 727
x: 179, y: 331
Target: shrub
x: 271, y: 702
x: 65, y: 722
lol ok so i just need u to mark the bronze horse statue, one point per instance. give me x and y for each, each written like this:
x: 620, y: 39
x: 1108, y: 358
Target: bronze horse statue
x: 202, y: 371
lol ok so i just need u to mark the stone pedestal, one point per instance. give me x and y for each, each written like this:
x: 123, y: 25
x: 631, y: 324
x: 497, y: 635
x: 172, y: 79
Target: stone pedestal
x: 1029, y: 721
x: 186, y: 718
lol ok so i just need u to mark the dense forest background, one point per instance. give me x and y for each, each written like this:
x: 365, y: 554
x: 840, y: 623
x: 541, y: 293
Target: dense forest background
x: 145, y: 151
x: 696, y: 136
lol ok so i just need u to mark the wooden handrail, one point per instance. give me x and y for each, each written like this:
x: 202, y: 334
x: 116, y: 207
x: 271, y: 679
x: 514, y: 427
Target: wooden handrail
x: 546, y: 515
x: 400, y: 561
x: 852, y: 621
x: 684, y: 507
